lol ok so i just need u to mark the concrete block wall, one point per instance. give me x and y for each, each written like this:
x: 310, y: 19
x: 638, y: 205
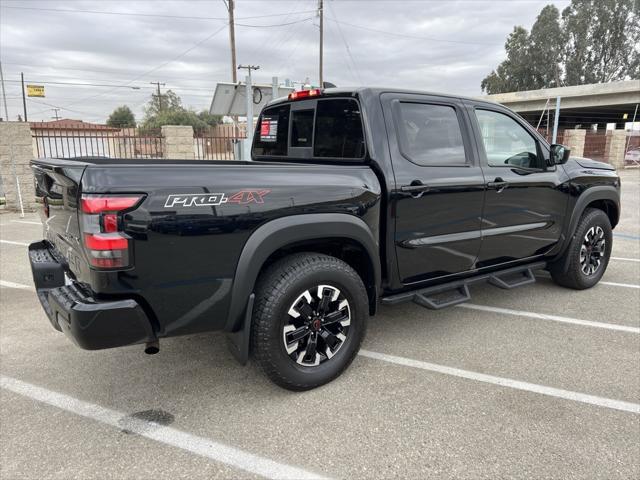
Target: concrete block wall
x: 614, y: 150
x: 177, y: 142
x: 574, y: 139
x: 16, y: 148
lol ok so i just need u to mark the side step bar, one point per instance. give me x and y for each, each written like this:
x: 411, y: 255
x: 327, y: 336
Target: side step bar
x: 453, y: 293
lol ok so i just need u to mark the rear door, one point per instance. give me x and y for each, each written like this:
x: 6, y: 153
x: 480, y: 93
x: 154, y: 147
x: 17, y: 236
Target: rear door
x: 59, y: 188
x: 439, y: 193
x: 525, y: 202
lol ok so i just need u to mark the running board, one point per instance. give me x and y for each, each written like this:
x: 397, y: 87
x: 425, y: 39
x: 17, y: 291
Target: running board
x: 448, y: 294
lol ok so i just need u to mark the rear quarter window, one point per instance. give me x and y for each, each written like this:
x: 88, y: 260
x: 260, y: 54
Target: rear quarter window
x: 315, y: 129
x: 272, y: 135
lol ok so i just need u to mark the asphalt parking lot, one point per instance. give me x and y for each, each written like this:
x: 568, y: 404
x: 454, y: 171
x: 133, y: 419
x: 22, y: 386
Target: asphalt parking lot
x: 537, y: 382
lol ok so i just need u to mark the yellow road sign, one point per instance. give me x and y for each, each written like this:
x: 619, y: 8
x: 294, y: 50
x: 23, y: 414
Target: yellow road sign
x: 35, y: 90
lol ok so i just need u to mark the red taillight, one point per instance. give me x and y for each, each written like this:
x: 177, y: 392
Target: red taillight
x: 107, y: 251
x: 107, y: 203
x: 106, y: 245
x: 300, y: 94
x: 110, y: 222
x: 103, y: 242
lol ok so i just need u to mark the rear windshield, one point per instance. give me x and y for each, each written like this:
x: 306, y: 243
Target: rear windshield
x: 328, y: 129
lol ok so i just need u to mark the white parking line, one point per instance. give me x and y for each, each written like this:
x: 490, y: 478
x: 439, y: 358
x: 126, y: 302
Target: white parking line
x: 169, y: 436
x: 554, y: 318
x: 506, y: 382
x: 614, y: 284
x: 10, y: 242
x: 5, y: 283
x: 623, y: 259
x: 28, y: 222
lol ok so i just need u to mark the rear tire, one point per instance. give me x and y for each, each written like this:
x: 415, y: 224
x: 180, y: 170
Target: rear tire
x: 309, y: 320
x: 588, y: 252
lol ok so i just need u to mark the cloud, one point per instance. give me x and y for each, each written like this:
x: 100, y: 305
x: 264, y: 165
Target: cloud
x: 459, y: 43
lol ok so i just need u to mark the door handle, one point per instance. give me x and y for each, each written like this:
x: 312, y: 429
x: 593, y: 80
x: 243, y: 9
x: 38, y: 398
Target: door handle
x: 416, y: 188
x: 499, y: 184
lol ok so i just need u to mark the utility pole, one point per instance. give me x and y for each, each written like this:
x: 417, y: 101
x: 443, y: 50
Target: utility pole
x: 232, y: 43
x: 55, y: 113
x: 320, y: 13
x: 232, y: 40
x: 249, y: 94
x: 24, y: 100
x: 157, y: 84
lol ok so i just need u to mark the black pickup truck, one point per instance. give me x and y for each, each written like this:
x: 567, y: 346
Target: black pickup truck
x: 353, y: 198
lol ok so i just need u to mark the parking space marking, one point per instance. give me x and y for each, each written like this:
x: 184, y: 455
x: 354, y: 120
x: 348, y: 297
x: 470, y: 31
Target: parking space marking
x: 10, y: 242
x: 614, y: 284
x: 626, y: 236
x: 622, y: 259
x: 7, y: 284
x: 28, y: 222
x: 554, y: 318
x: 506, y: 382
x: 205, y: 447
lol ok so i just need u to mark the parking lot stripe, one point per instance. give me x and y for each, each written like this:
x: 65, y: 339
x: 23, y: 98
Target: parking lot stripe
x: 622, y: 259
x: 625, y: 285
x: 4, y: 283
x: 14, y: 243
x: 506, y: 382
x: 28, y: 222
x: 170, y: 436
x: 553, y: 318
x: 626, y: 236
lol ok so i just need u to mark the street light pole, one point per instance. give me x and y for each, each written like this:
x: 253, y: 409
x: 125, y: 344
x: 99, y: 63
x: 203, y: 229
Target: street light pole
x: 24, y: 100
x: 321, y: 14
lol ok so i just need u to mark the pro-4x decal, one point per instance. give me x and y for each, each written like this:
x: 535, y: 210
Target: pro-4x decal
x: 243, y: 197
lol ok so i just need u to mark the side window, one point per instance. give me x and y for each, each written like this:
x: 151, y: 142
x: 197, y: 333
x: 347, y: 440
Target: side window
x: 271, y: 136
x: 430, y: 134
x: 338, y: 129
x: 506, y: 142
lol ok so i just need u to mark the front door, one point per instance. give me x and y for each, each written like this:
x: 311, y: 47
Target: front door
x: 524, y: 205
x: 439, y: 186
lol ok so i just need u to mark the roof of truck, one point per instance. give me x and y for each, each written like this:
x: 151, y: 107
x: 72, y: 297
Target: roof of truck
x: 381, y: 90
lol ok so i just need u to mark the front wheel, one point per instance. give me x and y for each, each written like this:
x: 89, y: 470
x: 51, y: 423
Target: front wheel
x: 309, y: 320
x: 588, y: 252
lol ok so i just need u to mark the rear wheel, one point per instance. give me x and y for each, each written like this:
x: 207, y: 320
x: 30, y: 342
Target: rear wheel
x: 309, y: 320
x: 589, y: 252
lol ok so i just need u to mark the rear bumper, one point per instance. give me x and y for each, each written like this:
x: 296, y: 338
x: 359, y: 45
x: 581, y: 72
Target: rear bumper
x: 72, y: 309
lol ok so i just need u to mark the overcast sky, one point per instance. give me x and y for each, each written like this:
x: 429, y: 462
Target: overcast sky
x: 443, y: 46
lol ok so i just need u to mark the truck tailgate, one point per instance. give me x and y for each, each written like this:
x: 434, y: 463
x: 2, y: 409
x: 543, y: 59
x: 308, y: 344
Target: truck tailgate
x: 59, y: 187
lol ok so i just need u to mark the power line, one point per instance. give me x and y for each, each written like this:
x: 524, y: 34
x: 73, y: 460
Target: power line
x: 156, y: 15
x: 403, y: 35
x: 346, y: 45
x: 134, y: 87
x: 182, y: 54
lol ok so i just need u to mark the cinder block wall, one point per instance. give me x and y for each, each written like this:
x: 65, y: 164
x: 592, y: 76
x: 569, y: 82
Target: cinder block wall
x: 177, y: 142
x: 574, y: 139
x: 16, y: 148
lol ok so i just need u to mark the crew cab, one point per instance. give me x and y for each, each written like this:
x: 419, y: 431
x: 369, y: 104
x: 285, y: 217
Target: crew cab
x: 352, y: 198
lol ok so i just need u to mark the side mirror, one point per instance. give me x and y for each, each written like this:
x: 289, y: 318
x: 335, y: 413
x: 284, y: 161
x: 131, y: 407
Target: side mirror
x: 559, y: 154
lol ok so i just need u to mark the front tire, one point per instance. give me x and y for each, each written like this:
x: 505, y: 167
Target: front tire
x: 588, y: 252
x: 309, y: 320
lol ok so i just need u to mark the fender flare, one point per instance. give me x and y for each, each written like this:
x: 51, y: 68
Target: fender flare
x: 277, y: 234
x: 592, y: 194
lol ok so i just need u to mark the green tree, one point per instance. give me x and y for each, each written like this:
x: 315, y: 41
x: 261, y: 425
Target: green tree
x: 594, y: 41
x: 166, y: 102
x: 122, y: 117
x: 168, y: 110
x: 603, y: 40
x: 513, y: 74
